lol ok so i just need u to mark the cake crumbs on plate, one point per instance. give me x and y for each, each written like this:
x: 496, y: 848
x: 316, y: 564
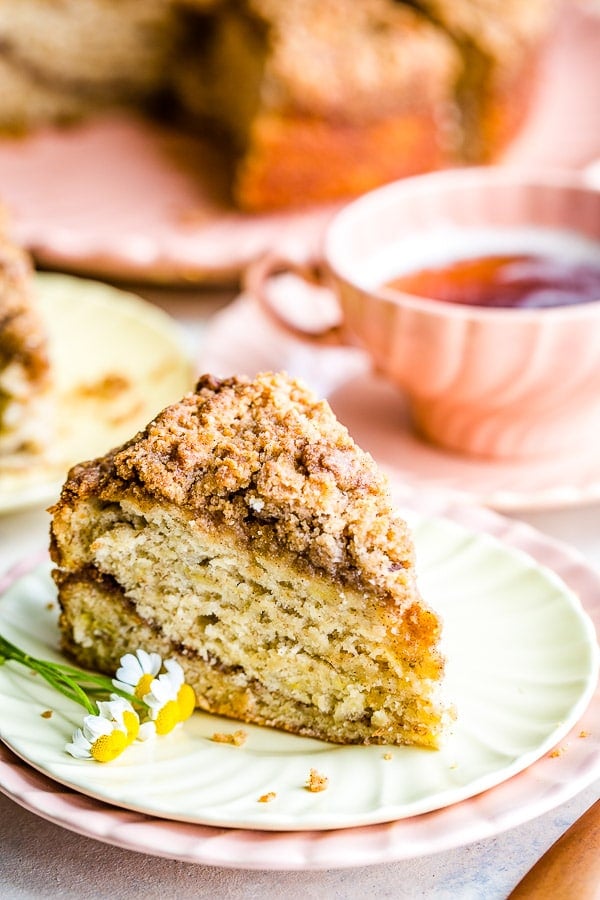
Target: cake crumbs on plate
x: 583, y: 734
x: 237, y: 738
x: 316, y: 781
x: 47, y: 714
x: 268, y: 797
x: 558, y: 751
x: 387, y: 755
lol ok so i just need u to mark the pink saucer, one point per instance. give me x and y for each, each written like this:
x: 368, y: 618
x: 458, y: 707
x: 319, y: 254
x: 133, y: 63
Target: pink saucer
x: 120, y: 198
x: 242, y: 340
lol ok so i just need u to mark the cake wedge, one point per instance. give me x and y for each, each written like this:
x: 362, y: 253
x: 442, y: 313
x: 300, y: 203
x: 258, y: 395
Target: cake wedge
x: 244, y: 533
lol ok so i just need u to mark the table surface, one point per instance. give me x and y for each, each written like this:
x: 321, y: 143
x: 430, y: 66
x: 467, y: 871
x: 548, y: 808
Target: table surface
x: 40, y: 859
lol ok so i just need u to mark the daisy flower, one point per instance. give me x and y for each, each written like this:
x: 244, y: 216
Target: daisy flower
x: 137, y: 672
x: 99, y: 738
x: 142, y: 682
x: 120, y: 710
x: 170, y: 699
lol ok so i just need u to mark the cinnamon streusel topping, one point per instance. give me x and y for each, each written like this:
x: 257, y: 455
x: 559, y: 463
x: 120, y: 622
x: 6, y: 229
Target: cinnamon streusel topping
x: 266, y: 459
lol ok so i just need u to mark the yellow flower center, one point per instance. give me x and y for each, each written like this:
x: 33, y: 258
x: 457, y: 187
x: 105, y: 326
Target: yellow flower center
x: 108, y: 746
x: 143, y: 686
x: 167, y: 718
x: 131, y: 722
x: 186, y: 700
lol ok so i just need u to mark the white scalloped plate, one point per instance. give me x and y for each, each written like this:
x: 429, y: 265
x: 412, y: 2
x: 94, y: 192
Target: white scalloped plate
x: 117, y: 361
x: 522, y: 668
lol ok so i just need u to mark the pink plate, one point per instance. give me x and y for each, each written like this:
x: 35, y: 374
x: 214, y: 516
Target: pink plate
x: 121, y: 198
x: 550, y: 781
x: 241, y: 339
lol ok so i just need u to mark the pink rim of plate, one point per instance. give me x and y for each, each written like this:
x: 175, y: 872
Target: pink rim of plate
x: 546, y: 784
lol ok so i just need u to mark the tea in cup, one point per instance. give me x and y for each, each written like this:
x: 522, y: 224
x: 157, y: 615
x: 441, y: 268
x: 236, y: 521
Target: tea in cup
x: 477, y: 293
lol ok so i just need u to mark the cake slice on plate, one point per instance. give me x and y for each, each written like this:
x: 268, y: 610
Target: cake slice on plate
x: 245, y: 533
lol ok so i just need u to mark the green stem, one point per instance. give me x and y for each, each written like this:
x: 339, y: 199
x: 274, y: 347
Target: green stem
x: 76, y: 684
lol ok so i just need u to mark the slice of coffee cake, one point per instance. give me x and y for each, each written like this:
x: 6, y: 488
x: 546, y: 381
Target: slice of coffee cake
x: 245, y: 533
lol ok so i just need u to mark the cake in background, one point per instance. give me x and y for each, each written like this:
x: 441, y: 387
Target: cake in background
x: 63, y: 60
x: 325, y: 100
x: 25, y: 372
x: 245, y: 533
x: 312, y: 100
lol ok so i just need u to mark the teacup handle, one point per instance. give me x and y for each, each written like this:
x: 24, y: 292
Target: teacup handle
x: 256, y: 283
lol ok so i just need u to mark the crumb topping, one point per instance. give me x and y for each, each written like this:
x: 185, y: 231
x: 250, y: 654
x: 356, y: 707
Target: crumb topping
x: 267, y: 459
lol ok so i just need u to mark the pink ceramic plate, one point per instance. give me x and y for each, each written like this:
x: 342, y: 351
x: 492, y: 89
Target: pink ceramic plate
x: 550, y: 781
x: 242, y: 340
x: 118, y: 197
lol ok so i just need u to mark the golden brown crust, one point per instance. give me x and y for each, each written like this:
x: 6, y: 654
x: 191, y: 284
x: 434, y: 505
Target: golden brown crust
x: 280, y: 160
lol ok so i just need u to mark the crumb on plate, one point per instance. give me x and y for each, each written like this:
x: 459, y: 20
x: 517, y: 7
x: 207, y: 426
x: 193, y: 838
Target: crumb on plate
x: 316, y: 781
x: 237, y: 738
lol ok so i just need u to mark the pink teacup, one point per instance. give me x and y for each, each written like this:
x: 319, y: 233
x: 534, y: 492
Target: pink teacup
x: 491, y: 382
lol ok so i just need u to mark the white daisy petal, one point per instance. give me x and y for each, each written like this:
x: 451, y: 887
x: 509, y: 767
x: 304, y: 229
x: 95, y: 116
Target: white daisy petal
x: 150, y: 662
x: 79, y: 746
x: 114, y: 709
x: 147, y: 731
x: 95, y: 726
x: 175, y: 672
x: 123, y: 686
x: 133, y: 667
x: 162, y: 690
x: 130, y: 670
x: 78, y: 752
